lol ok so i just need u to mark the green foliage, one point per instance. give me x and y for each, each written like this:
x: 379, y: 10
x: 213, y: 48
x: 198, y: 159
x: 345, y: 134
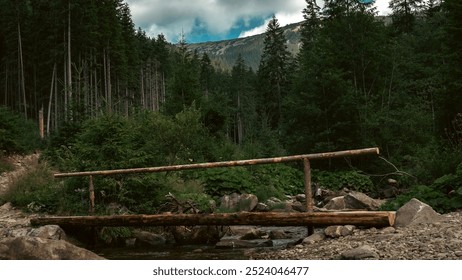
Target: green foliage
x: 343, y: 179
x: 5, y: 165
x: 36, y: 191
x: 220, y: 181
x: 444, y: 195
x: 17, y: 135
x: 111, y: 235
x: 263, y: 180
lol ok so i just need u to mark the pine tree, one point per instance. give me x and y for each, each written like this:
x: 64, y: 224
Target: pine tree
x: 452, y: 99
x: 404, y: 13
x: 272, y: 72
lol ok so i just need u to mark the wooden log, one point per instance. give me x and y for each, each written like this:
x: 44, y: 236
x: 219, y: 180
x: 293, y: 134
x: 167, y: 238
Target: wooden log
x: 223, y: 163
x: 358, y: 218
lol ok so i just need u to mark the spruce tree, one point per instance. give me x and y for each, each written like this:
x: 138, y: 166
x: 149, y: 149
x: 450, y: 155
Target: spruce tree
x: 272, y: 72
x: 404, y: 13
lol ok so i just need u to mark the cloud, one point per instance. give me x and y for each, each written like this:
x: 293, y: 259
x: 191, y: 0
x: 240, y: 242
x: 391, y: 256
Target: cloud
x: 172, y: 17
x: 216, y: 18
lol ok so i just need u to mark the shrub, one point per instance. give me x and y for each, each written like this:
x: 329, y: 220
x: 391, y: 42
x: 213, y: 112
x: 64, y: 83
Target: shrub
x: 17, y: 135
x: 343, y: 179
x: 444, y: 195
x: 36, y: 190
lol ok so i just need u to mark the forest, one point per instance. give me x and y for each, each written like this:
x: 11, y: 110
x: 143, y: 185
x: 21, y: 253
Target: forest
x: 112, y: 97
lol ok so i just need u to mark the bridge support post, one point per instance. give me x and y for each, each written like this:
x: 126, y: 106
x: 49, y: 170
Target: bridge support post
x: 308, y: 191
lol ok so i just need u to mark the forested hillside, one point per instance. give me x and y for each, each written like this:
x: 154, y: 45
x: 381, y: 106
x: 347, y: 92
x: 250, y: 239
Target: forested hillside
x: 112, y: 97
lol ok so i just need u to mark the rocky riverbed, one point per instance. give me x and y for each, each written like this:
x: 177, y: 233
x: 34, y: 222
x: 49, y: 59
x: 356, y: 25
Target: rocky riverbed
x: 439, y: 240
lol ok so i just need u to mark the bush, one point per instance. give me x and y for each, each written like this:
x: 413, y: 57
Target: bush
x: 17, y: 135
x: 5, y: 165
x: 117, y: 142
x: 263, y: 180
x: 343, y: 179
x: 36, y: 191
x: 444, y: 195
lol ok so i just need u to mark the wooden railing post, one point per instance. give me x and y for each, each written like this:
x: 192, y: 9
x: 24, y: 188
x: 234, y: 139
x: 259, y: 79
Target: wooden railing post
x: 308, y: 192
x: 91, y: 190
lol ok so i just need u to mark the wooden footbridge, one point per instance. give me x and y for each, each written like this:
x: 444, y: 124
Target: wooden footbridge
x: 308, y: 218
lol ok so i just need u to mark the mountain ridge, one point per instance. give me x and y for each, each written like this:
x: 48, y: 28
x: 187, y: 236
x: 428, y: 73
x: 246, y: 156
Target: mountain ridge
x: 224, y: 53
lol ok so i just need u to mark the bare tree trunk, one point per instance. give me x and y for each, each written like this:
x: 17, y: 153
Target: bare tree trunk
x: 6, y: 85
x: 22, y: 84
x: 109, y: 85
x: 50, y: 99
x: 69, y: 62
x: 240, y: 129
x: 142, y: 88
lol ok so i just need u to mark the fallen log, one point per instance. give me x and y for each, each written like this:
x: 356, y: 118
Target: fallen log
x: 357, y: 218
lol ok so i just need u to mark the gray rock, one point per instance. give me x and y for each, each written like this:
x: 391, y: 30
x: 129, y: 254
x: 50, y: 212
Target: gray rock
x: 148, y: 238
x: 229, y: 202
x: 416, y: 212
x: 315, y: 237
x: 236, y: 243
x: 46, y: 232
x: 236, y: 202
x: 337, y: 231
x: 274, y: 202
x: 36, y: 248
x: 336, y: 203
x: 261, y: 207
x: 247, y: 202
x: 360, y: 253
x: 6, y: 207
x: 298, y: 206
x: 252, y: 234
x: 388, y: 230
x: 358, y: 200
x: 300, y: 197
x: 277, y: 234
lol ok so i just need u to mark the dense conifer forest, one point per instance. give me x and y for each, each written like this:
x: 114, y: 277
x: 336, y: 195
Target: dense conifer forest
x: 113, y: 97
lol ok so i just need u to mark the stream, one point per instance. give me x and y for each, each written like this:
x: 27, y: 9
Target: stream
x: 198, y: 252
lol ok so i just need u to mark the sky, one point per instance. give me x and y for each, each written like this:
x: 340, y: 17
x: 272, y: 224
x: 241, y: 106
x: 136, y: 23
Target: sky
x: 215, y: 20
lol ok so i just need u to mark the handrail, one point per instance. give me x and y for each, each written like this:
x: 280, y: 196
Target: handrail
x: 222, y: 163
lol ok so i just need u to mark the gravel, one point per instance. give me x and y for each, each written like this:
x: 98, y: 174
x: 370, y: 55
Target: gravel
x: 441, y: 240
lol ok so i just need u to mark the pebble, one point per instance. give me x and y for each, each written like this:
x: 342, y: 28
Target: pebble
x: 418, y: 242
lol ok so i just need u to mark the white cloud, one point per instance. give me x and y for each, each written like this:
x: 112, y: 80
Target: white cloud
x: 172, y: 17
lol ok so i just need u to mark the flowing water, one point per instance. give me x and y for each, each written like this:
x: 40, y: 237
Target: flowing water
x: 196, y: 252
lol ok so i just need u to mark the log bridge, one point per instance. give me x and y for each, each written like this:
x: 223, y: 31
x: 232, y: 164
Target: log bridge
x: 308, y: 218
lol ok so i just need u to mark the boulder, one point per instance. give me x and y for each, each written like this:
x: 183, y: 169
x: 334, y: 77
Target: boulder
x: 36, y: 248
x: 315, y: 237
x: 198, y: 234
x: 247, y: 202
x: 253, y: 233
x: 274, y: 202
x: 236, y: 202
x: 261, y: 207
x: 229, y: 203
x: 336, y: 203
x: 46, y: 232
x: 148, y: 238
x: 360, y: 253
x: 358, y: 200
x: 278, y: 234
x: 416, y: 212
x: 298, y: 206
x: 6, y: 207
x: 338, y: 231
